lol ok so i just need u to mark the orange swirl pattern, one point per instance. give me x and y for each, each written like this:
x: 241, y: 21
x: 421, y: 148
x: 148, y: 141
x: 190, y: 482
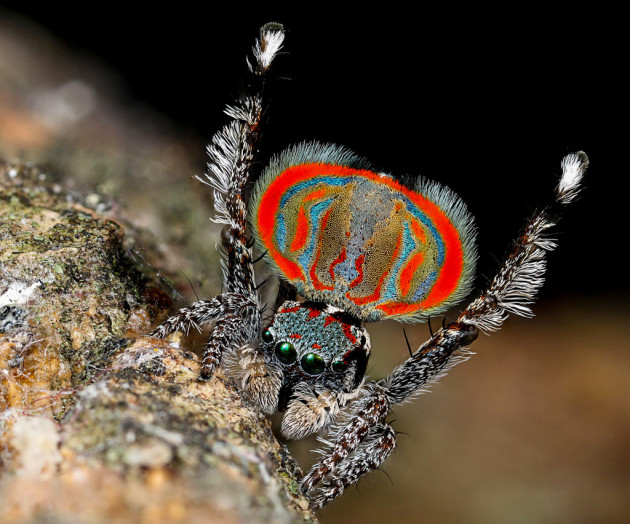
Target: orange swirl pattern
x: 359, y: 240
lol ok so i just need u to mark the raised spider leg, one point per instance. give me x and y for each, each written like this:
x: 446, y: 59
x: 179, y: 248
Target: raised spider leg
x: 236, y: 311
x: 365, y: 442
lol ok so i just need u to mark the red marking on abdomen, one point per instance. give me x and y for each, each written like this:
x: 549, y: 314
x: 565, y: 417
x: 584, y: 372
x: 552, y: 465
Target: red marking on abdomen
x: 268, y: 209
x: 358, y: 265
x: 418, y: 231
x: 398, y: 308
x: 342, y: 256
x: 359, y: 301
x: 406, y: 274
x: 301, y: 231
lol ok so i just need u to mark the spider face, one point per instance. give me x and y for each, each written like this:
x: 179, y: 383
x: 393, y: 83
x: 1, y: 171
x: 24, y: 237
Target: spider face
x: 321, y: 355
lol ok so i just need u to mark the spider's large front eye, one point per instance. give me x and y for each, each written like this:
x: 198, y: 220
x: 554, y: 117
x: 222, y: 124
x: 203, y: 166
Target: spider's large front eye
x: 313, y: 364
x: 286, y: 353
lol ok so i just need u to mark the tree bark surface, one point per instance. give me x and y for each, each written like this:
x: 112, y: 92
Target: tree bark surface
x: 101, y: 424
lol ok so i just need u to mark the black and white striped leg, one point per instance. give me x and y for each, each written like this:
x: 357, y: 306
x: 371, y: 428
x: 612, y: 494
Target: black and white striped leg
x: 230, y: 332
x: 237, y: 319
x: 232, y: 152
x: 366, y: 441
x: 373, y: 451
x: 370, y: 412
x: 194, y: 316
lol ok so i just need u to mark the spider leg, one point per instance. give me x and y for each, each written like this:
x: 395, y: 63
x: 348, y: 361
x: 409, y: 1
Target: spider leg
x: 363, y: 443
x: 232, y: 150
x: 260, y: 380
x: 234, y: 315
x: 371, y: 411
x: 374, y: 449
x: 427, y: 364
x: 192, y: 316
x: 231, y: 332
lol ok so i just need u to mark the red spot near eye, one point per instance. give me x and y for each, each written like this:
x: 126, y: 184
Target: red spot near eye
x: 347, y: 331
x: 293, y: 309
x: 316, y: 346
x: 295, y: 335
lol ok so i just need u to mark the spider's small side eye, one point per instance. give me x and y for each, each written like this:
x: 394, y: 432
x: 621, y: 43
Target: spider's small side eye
x: 286, y: 353
x: 267, y: 336
x: 313, y: 364
x: 339, y: 366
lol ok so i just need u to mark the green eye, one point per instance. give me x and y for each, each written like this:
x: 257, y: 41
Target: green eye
x: 286, y: 353
x: 339, y: 366
x: 267, y: 336
x: 313, y: 364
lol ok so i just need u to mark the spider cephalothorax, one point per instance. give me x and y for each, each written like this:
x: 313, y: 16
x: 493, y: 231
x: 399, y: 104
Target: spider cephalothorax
x: 357, y: 246
x: 321, y: 355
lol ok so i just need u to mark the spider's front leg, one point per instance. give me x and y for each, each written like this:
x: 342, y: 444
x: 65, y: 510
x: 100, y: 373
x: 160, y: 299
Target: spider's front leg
x: 364, y: 443
x: 236, y: 313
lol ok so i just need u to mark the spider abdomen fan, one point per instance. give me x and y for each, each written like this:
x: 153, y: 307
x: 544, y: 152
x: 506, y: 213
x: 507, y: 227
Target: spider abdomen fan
x: 360, y: 240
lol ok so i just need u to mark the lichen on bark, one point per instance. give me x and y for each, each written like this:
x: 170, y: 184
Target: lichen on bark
x: 98, y: 422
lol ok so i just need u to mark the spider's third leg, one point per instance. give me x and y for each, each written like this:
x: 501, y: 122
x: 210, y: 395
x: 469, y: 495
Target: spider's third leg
x: 368, y: 412
x: 232, y: 151
x: 230, y: 332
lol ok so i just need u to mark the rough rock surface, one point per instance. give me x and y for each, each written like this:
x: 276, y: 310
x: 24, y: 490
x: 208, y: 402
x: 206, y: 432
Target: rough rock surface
x: 99, y: 426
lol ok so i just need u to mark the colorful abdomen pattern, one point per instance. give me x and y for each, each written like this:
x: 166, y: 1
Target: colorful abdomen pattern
x: 360, y: 240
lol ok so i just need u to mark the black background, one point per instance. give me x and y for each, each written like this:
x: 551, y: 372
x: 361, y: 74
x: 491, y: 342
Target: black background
x: 487, y: 101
